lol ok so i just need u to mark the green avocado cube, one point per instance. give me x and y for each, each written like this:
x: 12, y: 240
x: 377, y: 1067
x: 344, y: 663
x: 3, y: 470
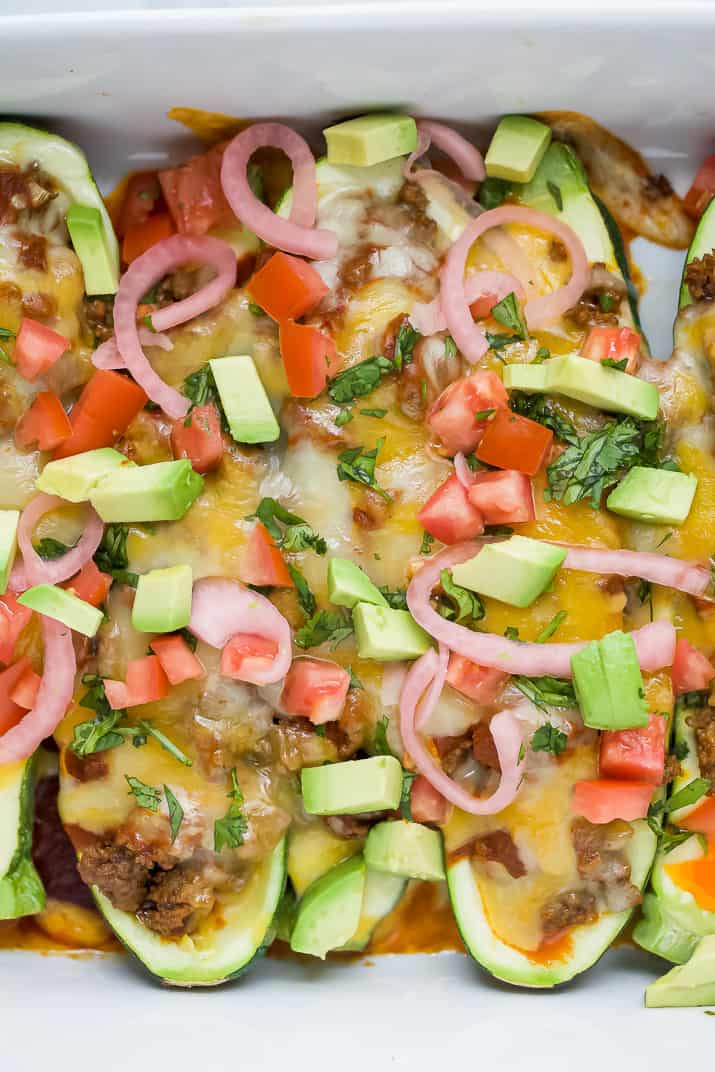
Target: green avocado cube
x: 531, y: 378
x: 64, y: 607
x: 514, y: 571
x: 385, y: 634
x: 371, y: 139
x: 162, y: 603
x: 244, y: 400
x: 358, y: 785
x: 591, y: 687
x: 517, y: 148
x: 688, y: 985
x: 86, y: 228
x: 348, y: 585
x: 619, y: 659
x: 9, y: 520
x: 606, y: 388
x: 74, y: 478
x: 660, y: 496
x: 329, y: 912
x: 407, y: 849
x: 163, y: 491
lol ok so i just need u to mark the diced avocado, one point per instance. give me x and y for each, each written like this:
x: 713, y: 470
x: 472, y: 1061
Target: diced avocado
x: 329, y: 912
x: 244, y: 400
x: 313, y: 851
x: 515, y: 571
x: 163, y: 600
x: 163, y: 491
x: 661, y: 935
x: 382, y: 894
x: 385, y: 634
x: 74, y: 478
x: 358, y: 785
x: 517, y: 148
x: 348, y: 585
x: 532, y: 378
x: 371, y: 139
x: 86, y: 229
x: 606, y: 388
x: 660, y: 496
x: 63, y: 607
x: 9, y: 520
x: 608, y: 683
x: 410, y: 850
x: 688, y: 984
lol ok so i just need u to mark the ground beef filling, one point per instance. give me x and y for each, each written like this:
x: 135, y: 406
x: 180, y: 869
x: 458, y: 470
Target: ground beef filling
x: 568, y: 910
x: 23, y: 191
x: 600, y: 303
x: 171, y: 903
x: 703, y: 723
x: 498, y: 847
x: 700, y: 277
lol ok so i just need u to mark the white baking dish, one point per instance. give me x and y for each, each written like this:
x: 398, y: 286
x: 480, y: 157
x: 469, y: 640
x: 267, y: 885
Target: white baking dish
x: 107, y: 80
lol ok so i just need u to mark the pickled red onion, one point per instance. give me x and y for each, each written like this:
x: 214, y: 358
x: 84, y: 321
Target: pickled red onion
x: 539, y: 311
x: 660, y: 569
x: 655, y: 643
x: 139, y: 277
x: 464, y: 474
x: 298, y: 233
x: 465, y: 155
x: 419, y: 694
x: 53, y: 698
x: 36, y: 570
x: 434, y: 691
x: 429, y: 318
x: 107, y: 355
x: 222, y: 608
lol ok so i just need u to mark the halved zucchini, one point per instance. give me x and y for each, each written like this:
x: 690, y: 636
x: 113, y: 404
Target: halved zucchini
x: 703, y: 242
x: 21, y: 890
x: 512, y: 965
x: 217, y: 954
x: 66, y: 164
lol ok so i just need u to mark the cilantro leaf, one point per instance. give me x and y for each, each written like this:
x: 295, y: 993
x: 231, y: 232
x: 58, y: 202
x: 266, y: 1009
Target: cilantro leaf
x: 358, y: 465
x: 610, y: 362
x: 450, y: 347
x: 49, y: 548
x: 306, y: 599
x: 355, y: 682
x: 461, y: 603
x: 405, y: 342
x: 551, y: 628
x: 680, y: 750
x: 380, y: 744
x: 344, y: 417
x: 111, y: 555
x: 508, y: 312
x: 539, y: 409
x: 555, y: 192
x: 359, y: 380
x: 586, y: 469
x: 408, y: 778
x: 230, y: 831
x: 176, y: 813
x: 511, y: 632
x: 323, y: 626
x: 296, y: 535
x: 548, y: 738
x: 378, y: 413
x: 145, y: 795
x: 426, y: 545
x: 396, y: 597
x: 97, y: 735
x: 151, y: 731
x: 494, y: 192
x: 545, y: 692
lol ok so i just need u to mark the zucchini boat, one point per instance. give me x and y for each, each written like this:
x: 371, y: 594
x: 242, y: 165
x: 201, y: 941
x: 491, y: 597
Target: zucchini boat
x: 21, y: 890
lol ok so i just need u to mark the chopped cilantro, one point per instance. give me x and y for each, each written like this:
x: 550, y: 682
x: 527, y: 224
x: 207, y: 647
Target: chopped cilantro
x: 306, y: 599
x: 548, y: 738
x: 539, y: 409
x: 147, y: 729
x: 255, y: 309
x: 542, y: 354
x: 200, y: 388
x: 49, y: 548
x: 450, y: 347
x: 494, y: 192
x: 111, y: 555
x: 396, y: 597
x: 680, y: 750
x: 355, y: 682
x: 145, y: 795
x: 551, y: 628
x: 508, y: 312
x: 297, y: 534
x: 511, y: 632
x: 545, y: 692
x: 380, y: 744
x: 359, y: 380
x: 607, y: 304
x: 460, y: 604
x: 344, y: 417
x: 426, y: 545
x: 484, y: 414
x: 405, y: 341
x: 378, y: 413
x: 686, y: 796
x: 323, y: 626
x: 358, y: 465
x: 408, y: 778
x: 176, y: 813
x: 230, y: 831
x: 555, y: 192
x: 610, y: 362
x: 587, y: 468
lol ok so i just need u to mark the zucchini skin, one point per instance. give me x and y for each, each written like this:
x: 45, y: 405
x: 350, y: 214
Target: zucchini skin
x: 21, y: 889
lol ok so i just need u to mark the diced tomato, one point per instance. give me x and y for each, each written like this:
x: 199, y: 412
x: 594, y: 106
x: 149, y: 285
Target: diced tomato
x: 200, y: 440
x: 262, y: 562
x: 37, y: 348
x: 247, y: 654
x: 701, y: 819
x: 637, y: 754
x: 309, y: 357
x: 108, y: 404
x: 515, y: 442
x: 315, y: 689
x: 142, y: 236
x: 691, y: 671
x: 24, y: 693
x: 44, y: 423
x: 141, y: 198
x: 177, y: 659
x: 698, y: 196
x: 90, y: 584
x: 11, y: 712
x: 13, y: 619
x: 448, y: 514
x: 615, y: 344
x: 480, y: 683
x: 286, y: 287
x: 146, y: 682
x: 426, y: 804
x: 194, y: 194
x: 503, y: 498
x: 605, y: 799
x: 452, y: 416
x: 482, y: 307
